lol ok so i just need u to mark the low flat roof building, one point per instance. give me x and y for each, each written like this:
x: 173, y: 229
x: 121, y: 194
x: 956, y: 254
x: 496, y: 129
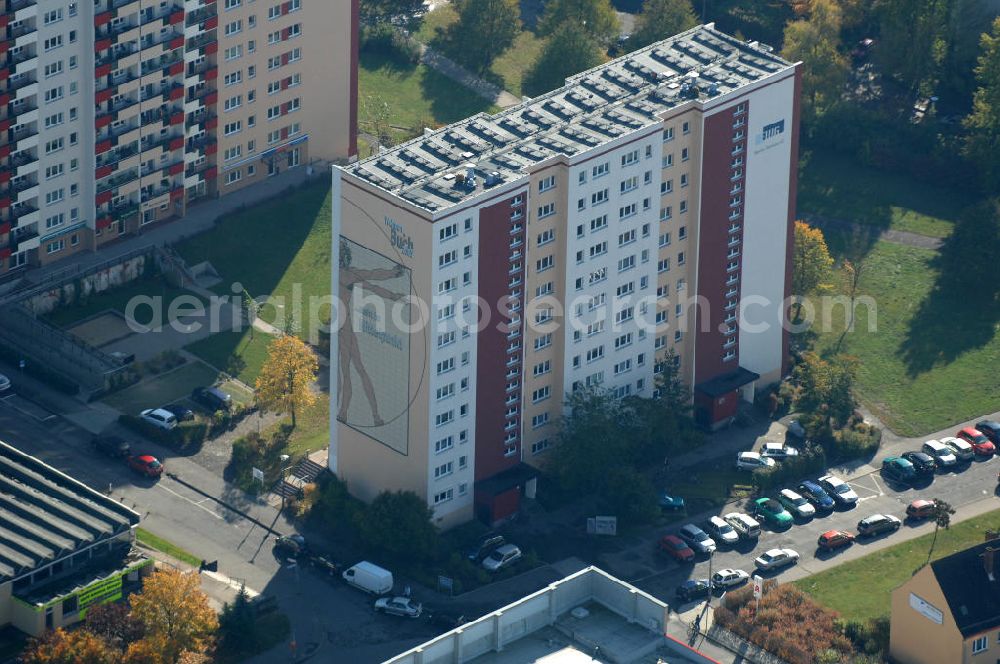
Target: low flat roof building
x: 589, y: 616
x: 64, y: 547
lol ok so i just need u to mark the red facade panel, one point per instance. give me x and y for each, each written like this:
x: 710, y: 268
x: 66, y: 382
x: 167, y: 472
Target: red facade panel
x: 211, y: 148
x: 211, y: 98
x: 212, y: 74
x: 177, y: 118
x: 4, y: 73
x: 176, y: 17
x: 177, y: 93
x: 176, y: 68
x: 211, y: 47
x: 5, y: 176
x: 5, y: 124
x: 176, y: 193
x: 491, y: 351
x: 211, y: 173
x: 176, y: 143
x: 4, y: 227
x: 713, y: 241
x: 103, y: 171
x: 102, y: 121
x: 4, y: 20
x: 103, y: 222
x: 102, y: 45
x: 103, y: 18
x: 102, y: 146
x: 212, y: 22
x: 211, y: 123
x: 176, y: 168
x: 4, y: 150
x: 102, y: 70
x: 5, y: 253
x: 103, y: 198
x: 176, y: 42
x: 102, y: 96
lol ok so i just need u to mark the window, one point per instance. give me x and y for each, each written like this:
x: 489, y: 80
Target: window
x: 684, y: 180
x: 541, y: 394
x: 54, y: 146
x: 684, y: 154
x: 546, y: 210
x: 625, y: 289
x: 232, y: 103
x: 53, y: 94
x: 623, y: 341
x: 682, y: 233
x: 595, y: 354
x: 233, y: 127
x: 54, y: 196
x: 55, y: 220
x: 444, y: 418
x: 663, y: 265
x: 234, y: 77
x: 629, y: 184
x: 544, y: 289
x: 686, y: 128
x: 684, y: 206
x: 53, y: 42
x: 233, y: 4
x: 623, y: 366
x: 443, y: 496
x: 980, y: 644
x: 582, y: 177
x: 545, y: 237
x: 630, y: 158
x: 666, y: 213
x: 599, y: 197
x: 446, y: 339
x: 540, y: 446
x: 234, y: 27
x: 53, y: 68
x: 232, y: 153
x: 626, y: 238
x: 626, y: 263
x: 542, y: 368
x: 234, y: 176
x: 444, y: 366
x: 664, y: 239
x: 626, y: 211
x: 668, y: 160
x: 53, y: 247
x: 448, y: 258
x: 547, y: 183
x: 599, y: 249
x: 543, y: 341
x: 544, y: 263
x: 600, y: 169
x: 53, y: 171
x: 667, y: 187
x: 598, y: 223
x: 668, y: 134
x: 444, y: 444
x: 54, y: 120
x: 52, y: 16
x: 443, y: 469
x: 234, y: 52
x: 274, y: 37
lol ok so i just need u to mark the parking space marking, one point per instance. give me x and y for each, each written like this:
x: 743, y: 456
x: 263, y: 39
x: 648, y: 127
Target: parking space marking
x: 10, y: 400
x: 199, y: 506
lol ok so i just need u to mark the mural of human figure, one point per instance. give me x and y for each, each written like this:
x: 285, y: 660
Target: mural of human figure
x: 348, y: 351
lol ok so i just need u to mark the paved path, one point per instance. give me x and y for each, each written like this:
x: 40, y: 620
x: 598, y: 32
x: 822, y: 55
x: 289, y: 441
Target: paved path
x: 888, y: 235
x: 459, y: 74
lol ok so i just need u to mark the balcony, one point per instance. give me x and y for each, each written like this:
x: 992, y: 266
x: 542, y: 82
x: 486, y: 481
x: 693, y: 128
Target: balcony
x: 200, y: 93
x: 23, y: 133
x: 197, y: 169
x: 199, y: 15
x: 200, y: 142
x: 15, y: 58
x: 200, y: 41
x: 162, y: 62
x: 201, y: 116
x: 118, y: 154
x: 149, y: 193
x: 25, y: 28
x: 117, y: 180
x: 18, y: 83
x: 113, y: 29
x: 123, y: 210
x: 120, y: 104
x: 116, y: 53
x: 151, y: 143
x: 18, y: 5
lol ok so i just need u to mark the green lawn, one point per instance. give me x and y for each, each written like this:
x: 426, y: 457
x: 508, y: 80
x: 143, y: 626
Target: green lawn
x: 926, y: 364
x: 163, y: 389
x: 234, y: 353
x: 708, y: 486
x: 510, y: 68
x: 417, y: 96
x: 165, y: 546
x: 427, y: 28
x: 312, y: 430
x: 861, y: 588
x: 117, y: 299
x: 836, y: 186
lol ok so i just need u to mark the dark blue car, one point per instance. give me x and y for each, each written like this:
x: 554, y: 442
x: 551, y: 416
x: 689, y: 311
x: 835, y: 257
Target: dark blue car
x: 816, y: 495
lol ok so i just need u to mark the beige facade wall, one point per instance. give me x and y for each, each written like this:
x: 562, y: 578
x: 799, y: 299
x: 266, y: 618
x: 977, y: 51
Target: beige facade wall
x: 365, y: 464
x: 916, y: 639
x: 679, y: 223
x: 329, y: 89
x: 534, y: 439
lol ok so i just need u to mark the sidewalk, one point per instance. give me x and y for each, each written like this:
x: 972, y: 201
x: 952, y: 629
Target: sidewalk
x: 200, y: 218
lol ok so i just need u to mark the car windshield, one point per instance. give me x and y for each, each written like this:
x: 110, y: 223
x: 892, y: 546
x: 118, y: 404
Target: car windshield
x: 723, y: 527
x: 154, y: 464
x: 842, y: 488
x: 678, y: 546
x: 770, y: 556
x: 798, y: 501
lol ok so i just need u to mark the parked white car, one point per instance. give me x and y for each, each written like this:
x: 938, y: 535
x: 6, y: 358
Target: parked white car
x: 796, y: 504
x: 4, y: 383
x: 778, y: 451
x: 721, y: 531
x: 697, y: 539
x: 961, y: 449
x: 728, y: 578
x: 839, y: 490
x: 776, y: 559
x: 159, y: 418
x: 504, y: 556
x: 399, y: 606
x: 752, y: 460
x: 941, y: 453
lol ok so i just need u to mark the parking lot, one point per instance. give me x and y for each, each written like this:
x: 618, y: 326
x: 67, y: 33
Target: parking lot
x: 969, y: 487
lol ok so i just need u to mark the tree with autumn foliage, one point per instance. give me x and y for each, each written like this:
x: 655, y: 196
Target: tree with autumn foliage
x: 175, y: 616
x: 815, y: 40
x: 285, y: 381
x: 63, y: 647
x: 811, y: 263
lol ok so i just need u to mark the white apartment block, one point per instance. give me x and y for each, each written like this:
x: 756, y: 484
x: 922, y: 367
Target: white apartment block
x: 644, y: 207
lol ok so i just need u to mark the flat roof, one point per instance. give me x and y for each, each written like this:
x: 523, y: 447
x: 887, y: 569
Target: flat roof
x: 595, y: 107
x: 46, y: 515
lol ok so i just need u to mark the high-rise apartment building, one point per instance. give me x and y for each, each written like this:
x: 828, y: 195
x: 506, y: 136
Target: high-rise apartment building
x: 117, y: 114
x: 491, y: 267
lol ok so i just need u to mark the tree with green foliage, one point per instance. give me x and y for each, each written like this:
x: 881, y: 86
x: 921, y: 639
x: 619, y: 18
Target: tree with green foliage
x: 824, y: 390
x: 378, y: 11
x: 661, y: 19
x: 569, y: 50
x: 236, y: 625
x: 983, y: 123
x: 941, y: 514
x: 630, y: 495
x: 596, y: 17
x: 816, y: 42
x: 664, y: 422
x: 483, y: 31
x: 399, y: 525
x: 914, y: 41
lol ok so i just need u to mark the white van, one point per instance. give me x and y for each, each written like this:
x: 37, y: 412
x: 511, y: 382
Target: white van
x: 746, y: 526
x: 369, y: 577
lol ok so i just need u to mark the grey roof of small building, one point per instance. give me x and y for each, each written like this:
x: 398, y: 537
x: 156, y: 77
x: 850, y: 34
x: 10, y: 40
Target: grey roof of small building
x: 46, y: 515
x: 972, y: 587
x: 593, y: 108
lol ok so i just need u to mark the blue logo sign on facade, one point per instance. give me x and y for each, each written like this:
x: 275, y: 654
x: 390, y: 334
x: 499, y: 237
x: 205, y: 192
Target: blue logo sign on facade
x: 770, y: 131
x: 402, y: 242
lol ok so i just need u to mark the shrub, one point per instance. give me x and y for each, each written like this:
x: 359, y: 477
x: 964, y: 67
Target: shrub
x: 870, y: 637
x: 383, y: 39
x: 861, y: 441
x: 811, y: 460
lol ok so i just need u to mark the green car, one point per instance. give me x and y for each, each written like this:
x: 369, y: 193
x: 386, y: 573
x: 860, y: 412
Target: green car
x: 898, y: 469
x: 771, y: 511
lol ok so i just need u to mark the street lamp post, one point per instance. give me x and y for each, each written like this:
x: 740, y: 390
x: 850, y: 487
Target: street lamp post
x: 281, y: 478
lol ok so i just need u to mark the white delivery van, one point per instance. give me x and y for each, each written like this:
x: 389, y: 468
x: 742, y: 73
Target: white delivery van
x: 369, y: 577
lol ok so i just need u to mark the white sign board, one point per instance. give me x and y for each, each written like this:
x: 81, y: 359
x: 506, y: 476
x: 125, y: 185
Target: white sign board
x: 258, y: 475
x: 926, y: 609
x: 602, y: 525
x: 758, y: 587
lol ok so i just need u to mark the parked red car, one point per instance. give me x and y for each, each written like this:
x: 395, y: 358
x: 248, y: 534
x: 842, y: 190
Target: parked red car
x: 674, y: 547
x: 146, y: 464
x: 920, y: 509
x: 835, y: 539
x: 981, y: 445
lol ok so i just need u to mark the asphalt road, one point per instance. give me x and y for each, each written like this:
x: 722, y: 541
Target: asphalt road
x: 970, y: 488
x: 330, y: 620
